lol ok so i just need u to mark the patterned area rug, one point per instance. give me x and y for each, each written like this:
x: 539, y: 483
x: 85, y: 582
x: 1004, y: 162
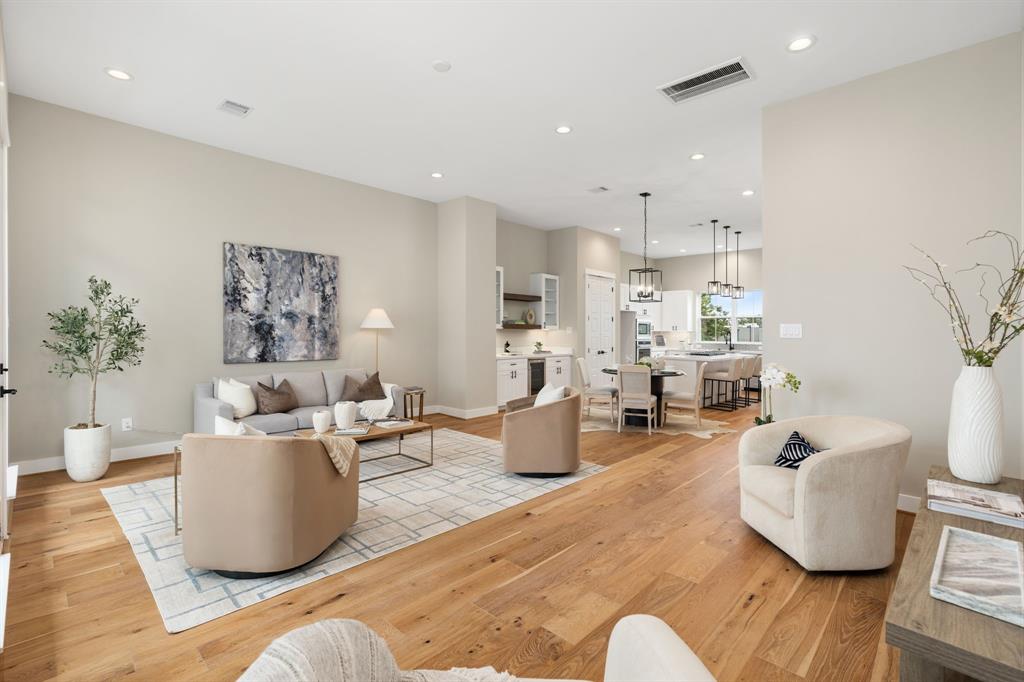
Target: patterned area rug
x: 466, y: 483
x: 677, y: 424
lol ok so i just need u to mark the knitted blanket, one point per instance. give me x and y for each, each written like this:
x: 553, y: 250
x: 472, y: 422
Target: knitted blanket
x: 346, y: 651
x: 340, y: 449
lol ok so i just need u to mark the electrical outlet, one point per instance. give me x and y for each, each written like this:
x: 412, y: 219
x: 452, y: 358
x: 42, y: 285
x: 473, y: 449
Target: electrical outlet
x: 126, y: 424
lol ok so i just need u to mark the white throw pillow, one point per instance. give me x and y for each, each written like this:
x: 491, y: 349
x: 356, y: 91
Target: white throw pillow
x: 226, y: 427
x: 548, y: 395
x: 238, y: 395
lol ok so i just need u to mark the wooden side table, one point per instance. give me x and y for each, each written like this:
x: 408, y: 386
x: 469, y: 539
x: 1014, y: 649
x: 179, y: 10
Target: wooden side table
x: 410, y: 398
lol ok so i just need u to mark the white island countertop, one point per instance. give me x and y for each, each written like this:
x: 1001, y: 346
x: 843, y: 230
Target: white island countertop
x: 533, y: 356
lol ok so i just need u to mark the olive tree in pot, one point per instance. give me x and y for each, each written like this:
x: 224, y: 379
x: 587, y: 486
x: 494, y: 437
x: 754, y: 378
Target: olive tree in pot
x: 101, y: 337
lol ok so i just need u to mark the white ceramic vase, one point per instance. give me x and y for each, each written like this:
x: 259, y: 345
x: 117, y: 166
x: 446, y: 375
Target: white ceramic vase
x: 345, y: 415
x: 87, y: 452
x: 321, y: 421
x: 975, y: 446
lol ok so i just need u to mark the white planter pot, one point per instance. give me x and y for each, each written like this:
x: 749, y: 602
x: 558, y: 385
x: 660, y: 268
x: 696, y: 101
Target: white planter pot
x: 345, y: 414
x: 322, y: 421
x: 87, y: 452
x: 976, y: 427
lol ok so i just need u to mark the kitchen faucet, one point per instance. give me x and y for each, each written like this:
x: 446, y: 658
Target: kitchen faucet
x: 728, y: 339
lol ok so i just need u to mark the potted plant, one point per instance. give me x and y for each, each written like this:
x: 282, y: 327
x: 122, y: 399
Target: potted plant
x: 101, y: 337
x: 975, y: 440
x: 772, y: 376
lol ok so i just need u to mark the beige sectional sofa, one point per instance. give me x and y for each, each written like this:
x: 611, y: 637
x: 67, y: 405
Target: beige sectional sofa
x: 318, y: 390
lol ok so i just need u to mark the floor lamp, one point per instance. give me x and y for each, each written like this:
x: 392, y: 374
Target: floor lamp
x: 376, y: 320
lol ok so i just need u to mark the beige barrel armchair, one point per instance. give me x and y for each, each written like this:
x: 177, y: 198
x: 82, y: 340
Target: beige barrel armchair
x: 837, y: 512
x: 259, y: 505
x: 543, y: 440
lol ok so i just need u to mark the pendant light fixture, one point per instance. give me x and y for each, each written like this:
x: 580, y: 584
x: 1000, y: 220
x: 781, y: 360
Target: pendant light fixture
x: 714, y: 286
x: 645, y: 282
x: 726, y: 289
x: 737, y: 290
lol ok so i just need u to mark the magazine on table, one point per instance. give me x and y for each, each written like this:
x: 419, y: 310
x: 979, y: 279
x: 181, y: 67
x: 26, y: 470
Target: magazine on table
x: 353, y: 431
x: 392, y: 423
x: 976, y: 503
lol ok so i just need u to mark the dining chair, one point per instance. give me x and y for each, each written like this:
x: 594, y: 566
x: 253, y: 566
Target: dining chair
x: 596, y: 394
x: 685, y: 400
x: 634, y: 383
x: 724, y: 385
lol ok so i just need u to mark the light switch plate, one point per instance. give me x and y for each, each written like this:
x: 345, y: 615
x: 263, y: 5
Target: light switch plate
x: 791, y: 330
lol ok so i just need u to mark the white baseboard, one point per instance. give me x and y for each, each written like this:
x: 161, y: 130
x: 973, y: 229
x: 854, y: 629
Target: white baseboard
x: 38, y: 466
x: 467, y: 414
x: 908, y: 503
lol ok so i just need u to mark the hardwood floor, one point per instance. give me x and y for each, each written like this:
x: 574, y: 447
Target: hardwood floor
x: 534, y: 589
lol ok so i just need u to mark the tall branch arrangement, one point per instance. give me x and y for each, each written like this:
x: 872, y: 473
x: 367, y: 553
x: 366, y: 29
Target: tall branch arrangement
x: 95, y: 339
x: 1005, y: 320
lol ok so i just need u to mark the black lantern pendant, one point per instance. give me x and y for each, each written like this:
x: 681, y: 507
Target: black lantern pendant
x: 726, y: 289
x: 645, y: 282
x: 714, y: 286
x: 737, y: 290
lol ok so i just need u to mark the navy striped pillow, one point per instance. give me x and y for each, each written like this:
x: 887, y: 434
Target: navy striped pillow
x: 794, y: 452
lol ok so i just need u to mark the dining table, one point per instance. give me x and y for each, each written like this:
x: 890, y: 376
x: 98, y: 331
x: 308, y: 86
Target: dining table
x: 657, y: 389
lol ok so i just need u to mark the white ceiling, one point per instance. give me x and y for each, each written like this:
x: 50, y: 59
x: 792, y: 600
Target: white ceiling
x: 347, y: 89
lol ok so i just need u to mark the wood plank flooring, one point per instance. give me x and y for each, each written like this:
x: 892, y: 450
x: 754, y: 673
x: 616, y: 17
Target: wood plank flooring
x: 534, y: 589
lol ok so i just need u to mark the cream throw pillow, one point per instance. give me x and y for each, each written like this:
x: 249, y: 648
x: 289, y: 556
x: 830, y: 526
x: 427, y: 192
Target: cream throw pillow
x: 548, y: 395
x: 226, y: 427
x: 238, y: 395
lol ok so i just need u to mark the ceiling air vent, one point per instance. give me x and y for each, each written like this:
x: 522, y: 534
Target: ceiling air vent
x: 715, y: 78
x: 598, y: 190
x: 234, y: 108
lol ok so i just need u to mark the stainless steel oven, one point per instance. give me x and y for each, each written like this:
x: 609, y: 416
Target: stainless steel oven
x: 643, y: 350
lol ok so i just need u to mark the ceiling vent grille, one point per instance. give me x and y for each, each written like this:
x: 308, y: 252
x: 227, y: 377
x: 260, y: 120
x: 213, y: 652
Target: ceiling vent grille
x: 598, y: 190
x: 715, y: 78
x: 234, y: 108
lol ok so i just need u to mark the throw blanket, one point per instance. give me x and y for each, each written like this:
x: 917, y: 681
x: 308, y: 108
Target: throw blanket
x: 379, y: 409
x: 346, y: 651
x: 340, y: 449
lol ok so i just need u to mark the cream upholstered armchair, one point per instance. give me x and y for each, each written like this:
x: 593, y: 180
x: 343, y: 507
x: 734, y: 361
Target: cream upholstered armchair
x: 544, y: 439
x: 837, y: 512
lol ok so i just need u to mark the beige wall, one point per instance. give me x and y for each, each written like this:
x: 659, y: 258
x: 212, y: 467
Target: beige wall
x: 926, y: 154
x: 693, y: 272
x: 149, y: 212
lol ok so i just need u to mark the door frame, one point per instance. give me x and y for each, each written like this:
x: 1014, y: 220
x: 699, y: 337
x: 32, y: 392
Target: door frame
x: 614, y: 277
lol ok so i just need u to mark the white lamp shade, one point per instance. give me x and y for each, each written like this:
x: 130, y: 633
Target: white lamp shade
x: 377, y: 319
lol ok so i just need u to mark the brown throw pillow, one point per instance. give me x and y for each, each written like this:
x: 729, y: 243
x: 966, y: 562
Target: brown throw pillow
x: 367, y: 390
x: 274, y: 400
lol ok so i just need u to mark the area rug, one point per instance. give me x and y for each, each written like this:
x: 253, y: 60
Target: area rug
x: 677, y: 425
x: 466, y: 483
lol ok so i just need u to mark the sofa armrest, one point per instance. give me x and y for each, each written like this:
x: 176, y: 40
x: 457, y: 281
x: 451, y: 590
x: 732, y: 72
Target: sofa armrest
x: 762, y: 444
x: 205, y: 408
x: 398, y: 395
x: 644, y: 648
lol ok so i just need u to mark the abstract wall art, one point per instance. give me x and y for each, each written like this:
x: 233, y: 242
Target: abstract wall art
x: 279, y: 305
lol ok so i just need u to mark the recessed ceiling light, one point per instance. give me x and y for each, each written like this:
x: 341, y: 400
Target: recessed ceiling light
x: 118, y: 74
x: 748, y: 192
x: 563, y: 130
x: 682, y: 250
x: 800, y: 44
x: 441, y: 65
x: 654, y: 241
x: 696, y: 156
x: 616, y: 229
x: 436, y: 175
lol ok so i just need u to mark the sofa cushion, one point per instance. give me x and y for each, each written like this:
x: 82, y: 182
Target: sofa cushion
x: 272, y: 423
x: 549, y: 394
x: 238, y: 395
x: 229, y: 427
x: 357, y: 392
x: 335, y: 381
x: 308, y: 387
x: 274, y: 400
x: 305, y: 415
x: 775, y: 486
x: 249, y: 381
x: 795, y: 451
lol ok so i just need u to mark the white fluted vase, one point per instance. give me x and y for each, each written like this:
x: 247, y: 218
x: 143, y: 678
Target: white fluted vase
x: 976, y: 426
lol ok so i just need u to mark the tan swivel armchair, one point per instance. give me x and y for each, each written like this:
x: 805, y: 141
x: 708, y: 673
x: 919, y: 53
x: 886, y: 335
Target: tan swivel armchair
x: 258, y: 505
x: 542, y: 440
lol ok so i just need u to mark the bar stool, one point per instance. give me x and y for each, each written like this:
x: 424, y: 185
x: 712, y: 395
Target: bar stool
x: 721, y: 380
x: 758, y: 363
x: 746, y: 374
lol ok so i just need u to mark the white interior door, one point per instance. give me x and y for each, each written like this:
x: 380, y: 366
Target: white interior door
x: 600, y: 329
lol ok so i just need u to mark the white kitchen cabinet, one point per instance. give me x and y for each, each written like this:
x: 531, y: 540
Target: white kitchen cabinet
x: 513, y: 380
x: 546, y: 310
x: 676, y: 312
x: 558, y: 371
x: 499, y: 296
x: 650, y: 312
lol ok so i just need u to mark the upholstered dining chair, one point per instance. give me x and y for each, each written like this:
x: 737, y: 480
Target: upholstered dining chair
x: 596, y: 394
x: 634, y: 383
x: 725, y: 381
x: 682, y: 400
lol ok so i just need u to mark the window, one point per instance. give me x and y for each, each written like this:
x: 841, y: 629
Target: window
x: 742, y: 317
